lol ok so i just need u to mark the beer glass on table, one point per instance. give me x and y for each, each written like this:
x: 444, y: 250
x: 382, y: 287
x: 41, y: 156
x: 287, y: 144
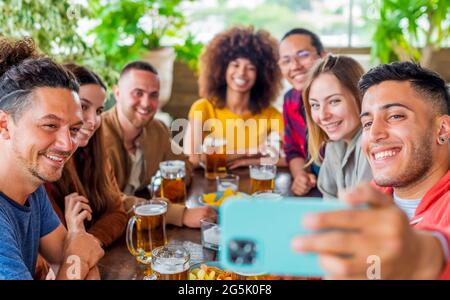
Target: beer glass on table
x: 215, y: 157
x: 262, y: 177
x: 170, y: 263
x: 149, y: 222
x: 173, y: 186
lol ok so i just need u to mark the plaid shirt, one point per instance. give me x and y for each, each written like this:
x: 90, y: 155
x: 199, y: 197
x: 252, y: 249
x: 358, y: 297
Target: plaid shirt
x: 295, y: 128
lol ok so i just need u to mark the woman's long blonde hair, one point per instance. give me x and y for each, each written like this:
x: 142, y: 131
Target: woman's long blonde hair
x: 348, y: 72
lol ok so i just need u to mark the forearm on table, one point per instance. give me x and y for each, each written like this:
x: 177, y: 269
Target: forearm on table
x: 282, y: 162
x: 296, y: 166
x: 73, y: 268
x: 110, y: 227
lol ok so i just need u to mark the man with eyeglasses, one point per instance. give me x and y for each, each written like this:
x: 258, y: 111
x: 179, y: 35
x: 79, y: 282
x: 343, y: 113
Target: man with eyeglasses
x: 299, y: 50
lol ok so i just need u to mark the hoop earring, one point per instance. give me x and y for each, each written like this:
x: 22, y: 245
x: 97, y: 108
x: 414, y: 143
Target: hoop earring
x: 442, y: 140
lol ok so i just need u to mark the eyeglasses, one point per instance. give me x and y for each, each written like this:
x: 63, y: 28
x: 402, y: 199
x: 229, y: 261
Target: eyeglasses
x: 300, y: 56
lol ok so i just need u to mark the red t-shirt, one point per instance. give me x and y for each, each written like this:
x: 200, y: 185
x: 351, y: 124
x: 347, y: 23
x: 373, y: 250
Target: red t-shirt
x: 433, y: 213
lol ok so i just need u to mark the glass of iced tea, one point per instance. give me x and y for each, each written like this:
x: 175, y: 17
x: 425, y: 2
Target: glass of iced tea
x: 214, y: 150
x: 262, y: 177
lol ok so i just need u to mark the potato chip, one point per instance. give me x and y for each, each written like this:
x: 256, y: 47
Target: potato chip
x: 209, y: 273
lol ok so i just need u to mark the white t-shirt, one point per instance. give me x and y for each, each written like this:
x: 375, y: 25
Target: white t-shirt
x: 410, y: 207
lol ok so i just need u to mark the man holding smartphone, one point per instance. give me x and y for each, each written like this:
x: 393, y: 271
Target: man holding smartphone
x: 406, y: 129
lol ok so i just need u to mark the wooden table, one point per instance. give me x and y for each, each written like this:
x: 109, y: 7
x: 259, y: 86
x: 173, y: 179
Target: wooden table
x: 118, y: 263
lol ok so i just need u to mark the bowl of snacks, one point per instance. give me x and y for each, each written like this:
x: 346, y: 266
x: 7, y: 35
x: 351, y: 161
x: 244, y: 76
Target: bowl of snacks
x: 208, y: 271
x: 216, y: 199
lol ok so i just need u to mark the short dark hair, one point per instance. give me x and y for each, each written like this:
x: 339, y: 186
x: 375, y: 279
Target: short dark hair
x: 315, y: 40
x: 138, y: 65
x: 424, y: 81
x: 22, y: 70
x: 84, y: 75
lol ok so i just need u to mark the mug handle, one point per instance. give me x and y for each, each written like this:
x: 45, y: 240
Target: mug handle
x: 153, y: 184
x: 129, y: 236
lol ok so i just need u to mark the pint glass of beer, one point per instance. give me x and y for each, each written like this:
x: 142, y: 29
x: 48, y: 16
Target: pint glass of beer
x: 216, y: 158
x: 171, y: 263
x: 262, y: 177
x: 150, y: 220
x: 173, y: 186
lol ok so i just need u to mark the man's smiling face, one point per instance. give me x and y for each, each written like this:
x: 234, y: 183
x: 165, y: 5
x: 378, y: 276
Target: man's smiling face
x: 399, y: 133
x: 45, y: 136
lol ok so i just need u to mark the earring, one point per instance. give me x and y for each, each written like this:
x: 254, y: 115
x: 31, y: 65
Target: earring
x: 442, y: 140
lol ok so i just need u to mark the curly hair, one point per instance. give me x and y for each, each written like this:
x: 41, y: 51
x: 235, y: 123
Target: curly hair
x: 241, y: 42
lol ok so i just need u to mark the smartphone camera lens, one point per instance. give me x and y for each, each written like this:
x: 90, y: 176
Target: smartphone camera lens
x: 242, y: 252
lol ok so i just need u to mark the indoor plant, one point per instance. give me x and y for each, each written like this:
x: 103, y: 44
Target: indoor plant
x: 410, y: 29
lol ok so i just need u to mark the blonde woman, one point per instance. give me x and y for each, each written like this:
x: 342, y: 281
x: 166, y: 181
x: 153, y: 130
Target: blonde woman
x: 333, y: 105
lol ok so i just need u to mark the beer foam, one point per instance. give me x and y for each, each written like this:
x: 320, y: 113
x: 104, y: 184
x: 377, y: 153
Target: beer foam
x: 170, y: 265
x: 261, y: 175
x: 150, y: 210
x: 173, y: 169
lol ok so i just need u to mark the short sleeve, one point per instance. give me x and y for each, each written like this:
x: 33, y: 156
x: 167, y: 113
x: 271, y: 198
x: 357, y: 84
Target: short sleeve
x: 199, y: 111
x: 49, y: 219
x: 12, y: 265
x: 279, y: 124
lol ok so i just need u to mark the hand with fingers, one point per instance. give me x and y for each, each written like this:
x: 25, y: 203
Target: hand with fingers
x: 192, y: 216
x: 77, y: 210
x: 303, y: 183
x: 242, y: 162
x: 381, y: 231
x: 85, y: 246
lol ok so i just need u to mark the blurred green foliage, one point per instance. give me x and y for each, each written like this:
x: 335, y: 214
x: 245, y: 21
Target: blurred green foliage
x: 51, y: 23
x: 405, y: 28
x: 123, y: 31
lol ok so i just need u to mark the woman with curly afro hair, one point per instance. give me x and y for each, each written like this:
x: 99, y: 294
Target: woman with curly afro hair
x: 239, y: 80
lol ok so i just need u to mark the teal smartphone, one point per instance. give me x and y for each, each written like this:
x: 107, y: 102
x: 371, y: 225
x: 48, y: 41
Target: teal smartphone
x: 256, y: 235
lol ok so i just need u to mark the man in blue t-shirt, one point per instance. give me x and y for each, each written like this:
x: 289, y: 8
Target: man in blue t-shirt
x: 40, y: 115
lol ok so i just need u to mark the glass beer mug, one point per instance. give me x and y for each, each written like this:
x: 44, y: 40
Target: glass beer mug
x: 262, y: 177
x: 170, y: 263
x: 150, y: 222
x: 215, y: 157
x: 173, y: 186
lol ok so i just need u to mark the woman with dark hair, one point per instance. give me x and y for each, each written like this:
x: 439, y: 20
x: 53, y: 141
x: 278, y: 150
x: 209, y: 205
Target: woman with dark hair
x: 86, y: 184
x: 239, y: 80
